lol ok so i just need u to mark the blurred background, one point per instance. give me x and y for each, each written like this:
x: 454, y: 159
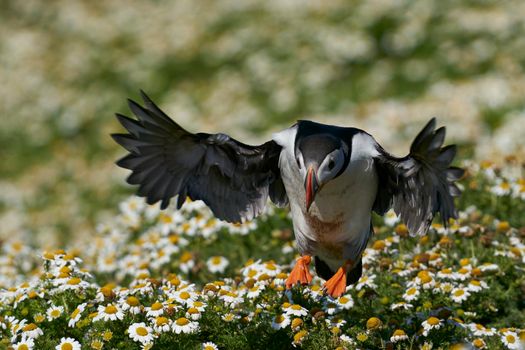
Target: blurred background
x: 247, y: 68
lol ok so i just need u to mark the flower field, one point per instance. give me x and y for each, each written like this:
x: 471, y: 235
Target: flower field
x: 86, y: 265
x: 152, y: 279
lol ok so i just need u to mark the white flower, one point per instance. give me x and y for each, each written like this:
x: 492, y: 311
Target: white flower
x: 476, y: 286
x: 345, y: 302
x: 391, y: 218
x: 217, y: 264
x: 156, y: 309
x: 24, y: 344
x: 411, y: 294
x: 401, y: 305
x: 183, y: 325
x: 459, y: 295
x: 132, y: 305
x: 68, y: 344
x: 366, y: 281
x: 109, y: 312
x: 431, y: 323
x: 296, y: 310
x: 161, y: 324
x: 75, y: 315
x: 511, y: 340
x: 31, y: 330
x: 280, y: 321
x: 141, y: 333
x: 54, y: 312
x: 398, y: 335
x: 480, y: 330
x: 209, y: 346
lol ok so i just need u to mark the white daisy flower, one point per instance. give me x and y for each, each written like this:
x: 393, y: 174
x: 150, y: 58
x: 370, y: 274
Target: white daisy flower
x: 54, y: 312
x: 141, y: 333
x: 184, y: 297
x: 459, y: 294
x: 479, y: 330
x: 296, y: 310
x: 31, y: 330
x: 68, y: 344
x: 161, y: 324
x: 156, y: 309
x: 183, y: 325
x: 366, y: 281
x: 398, y: 335
x: 401, y: 305
x: 431, y: 323
x: 193, y: 314
x: 390, y: 218
x: 209, y: 346
x: 345, y: 302
x: 280, y: 321
x: 75, y: 315
x: 511, y: 340
x: 476, y: 286
x: 109, y: 312
x: 411, y: 294
x: 131, y: 304
x: 24, y: 344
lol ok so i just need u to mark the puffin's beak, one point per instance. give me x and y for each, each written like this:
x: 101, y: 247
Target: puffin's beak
x: 311, y: 186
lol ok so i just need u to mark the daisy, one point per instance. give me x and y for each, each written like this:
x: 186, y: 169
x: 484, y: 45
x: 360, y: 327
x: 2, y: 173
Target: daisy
x: 431, y: 323
x: 109, y: 312
x: 75, y: 315
x: 479, y: 330
x: 24, y: 344
x: 141, y: 333
x: 132, y: 304
x: 366, y: 281
x: 280, y: 321
x: 54, y: 312
x: 68, y: 344
x: 411, y: 294
x: 398, y: 335
x: 209, y: 346
x: 254, y: 292
x: 459, y: 295
x: 161, y: 324
x: 296, y: 310
x: 390, y: 218
x: 183, y: 325
x: 511, y: 340
x: 193, y: 313
x: 476, y: 286
x: 31, y: 330
x: 184, y: 297
x: 156, y: 309
x: 479, y: 343
x: 401, y: 305
x: 345, y: 302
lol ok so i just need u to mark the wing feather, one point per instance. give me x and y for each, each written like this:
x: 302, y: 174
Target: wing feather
x: 421, y: 184
x: 232, y: 178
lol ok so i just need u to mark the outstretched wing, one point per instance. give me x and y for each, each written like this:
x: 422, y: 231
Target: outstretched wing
x: 232, y: 178
x: 422, y: 183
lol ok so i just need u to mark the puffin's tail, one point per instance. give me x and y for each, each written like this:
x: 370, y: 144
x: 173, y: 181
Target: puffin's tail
x: 323, y: 271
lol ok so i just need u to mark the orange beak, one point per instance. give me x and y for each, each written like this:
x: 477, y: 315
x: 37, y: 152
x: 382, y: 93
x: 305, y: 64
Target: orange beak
x: 310, y: 186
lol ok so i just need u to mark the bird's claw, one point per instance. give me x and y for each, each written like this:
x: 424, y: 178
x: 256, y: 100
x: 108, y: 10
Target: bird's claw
x: 300, y: 273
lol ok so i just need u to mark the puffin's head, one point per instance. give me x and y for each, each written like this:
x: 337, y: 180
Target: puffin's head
x: 320, y: 158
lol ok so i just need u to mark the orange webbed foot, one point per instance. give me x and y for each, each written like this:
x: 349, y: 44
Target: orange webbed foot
x: 336, y: 286
x: 300, y: 273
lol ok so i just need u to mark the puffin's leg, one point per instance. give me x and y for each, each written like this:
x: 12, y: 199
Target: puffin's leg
x: 300, y: 273
x: 336, y: 286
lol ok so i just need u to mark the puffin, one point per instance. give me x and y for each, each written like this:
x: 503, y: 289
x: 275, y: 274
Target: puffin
x: 332, y: 178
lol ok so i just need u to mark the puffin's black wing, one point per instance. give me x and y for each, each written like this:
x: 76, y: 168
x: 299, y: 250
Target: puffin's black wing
x: 420, y: 184
x: 232, y: 178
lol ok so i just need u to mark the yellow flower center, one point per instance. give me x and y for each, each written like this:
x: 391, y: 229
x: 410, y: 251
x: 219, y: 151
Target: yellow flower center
x: 279, y: 319
x: 74, y: 281
x: 479, y: 343
x: 23, y: 347
x: 30, y: 327
x: 182, y: 321
x: 198, y: 304
x: 433, y: 321
x: 299, y: 336
x: 110, y: 309
x: 156, y: 306
x: 66, y: 346
x: 411, y: 291
x: 216, y: 260
x: 459, y: 292
x: 142, y: 331
x: 209, y: 347
x: 192, y: 311
x: 362, y: 337
x: 55, y: 313
x: 296, y: 307
x: 399, y: 332
x: 475, y: 283
x: 344, y: 300
x: 161, y: 321
x: 185, y: 257
x: 373, y: 323
x: 510, y: 338
x: 184, y: 295
x: 132, y: 301
x: 75, y: 313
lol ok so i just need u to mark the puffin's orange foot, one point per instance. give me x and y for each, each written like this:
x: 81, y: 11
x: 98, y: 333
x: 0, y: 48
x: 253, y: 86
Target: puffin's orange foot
x: 300, y: 273
x: 336, y: 286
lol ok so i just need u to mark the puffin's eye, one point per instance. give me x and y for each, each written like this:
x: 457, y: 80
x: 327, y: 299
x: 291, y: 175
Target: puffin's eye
x: 331, y: 164
x: 298, y: 162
